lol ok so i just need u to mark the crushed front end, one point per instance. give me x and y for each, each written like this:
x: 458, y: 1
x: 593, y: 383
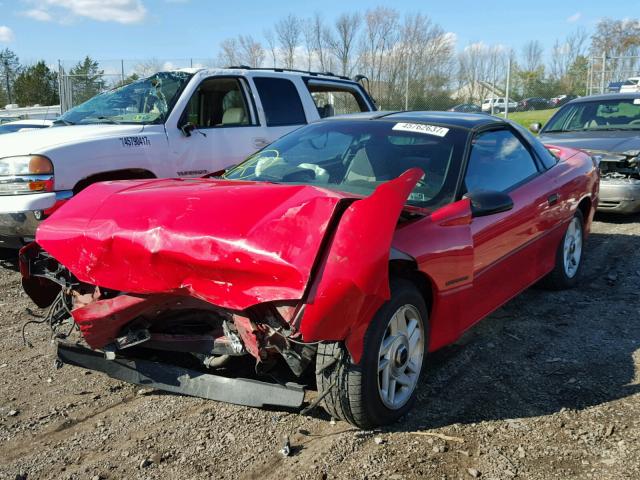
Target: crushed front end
x: 168, y: 341
x: 620, y: 181
x: 163, y: 300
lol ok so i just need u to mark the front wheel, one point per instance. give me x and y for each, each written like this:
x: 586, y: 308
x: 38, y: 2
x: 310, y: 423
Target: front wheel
x: 382, y: 387
x: 568, y: 265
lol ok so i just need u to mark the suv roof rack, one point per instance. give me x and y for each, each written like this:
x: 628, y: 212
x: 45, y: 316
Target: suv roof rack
x: 293, y: 70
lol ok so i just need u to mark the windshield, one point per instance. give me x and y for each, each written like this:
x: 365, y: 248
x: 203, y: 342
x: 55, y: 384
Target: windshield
x: 358, y: 155
x: 614, y: 114
x: 148, y: 100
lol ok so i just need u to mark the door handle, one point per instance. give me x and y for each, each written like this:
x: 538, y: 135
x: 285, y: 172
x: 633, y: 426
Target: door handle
x: 553, y: 199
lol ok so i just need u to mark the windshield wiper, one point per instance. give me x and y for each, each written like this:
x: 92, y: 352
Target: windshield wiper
x: 108, y: 120
x: 616, y: 129
x: 63, y: 121
x: 559, y: 130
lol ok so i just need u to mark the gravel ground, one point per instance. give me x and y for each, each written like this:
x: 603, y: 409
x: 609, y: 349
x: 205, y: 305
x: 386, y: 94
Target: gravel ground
x: 546, y: 387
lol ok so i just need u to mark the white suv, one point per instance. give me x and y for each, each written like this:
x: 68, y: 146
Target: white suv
x: 181, y: 123
x: 498, y: 104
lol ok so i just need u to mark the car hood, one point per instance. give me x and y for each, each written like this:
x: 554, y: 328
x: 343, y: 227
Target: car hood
x: 231, y: 243
x: 615, y: 141
x: 41, y: 140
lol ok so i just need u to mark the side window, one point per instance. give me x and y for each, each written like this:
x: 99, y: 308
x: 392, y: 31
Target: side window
x: 545, y: 156
x: 335, y: 99
x: 218, y: 102
x: 498, y: 161
x: 281, y: 102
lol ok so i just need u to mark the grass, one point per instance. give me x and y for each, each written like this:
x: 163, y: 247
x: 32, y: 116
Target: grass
x: 535, y: 116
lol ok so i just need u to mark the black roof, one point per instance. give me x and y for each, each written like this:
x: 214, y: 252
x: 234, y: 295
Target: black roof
x: 453, y: 119
x: 607, y: 96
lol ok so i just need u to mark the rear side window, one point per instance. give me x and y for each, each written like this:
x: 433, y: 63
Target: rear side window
x: 280, y: 101
x: 335, y: 99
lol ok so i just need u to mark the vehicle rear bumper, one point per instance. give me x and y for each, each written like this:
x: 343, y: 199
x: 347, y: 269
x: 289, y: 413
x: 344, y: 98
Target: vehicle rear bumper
x: 18, y: 217
x: 619, y: 195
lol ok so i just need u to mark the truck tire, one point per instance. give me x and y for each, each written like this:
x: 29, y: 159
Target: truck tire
x: 382, y: 387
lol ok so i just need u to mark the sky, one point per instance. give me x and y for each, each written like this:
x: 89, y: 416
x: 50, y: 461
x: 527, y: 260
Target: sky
x: 176, y: 29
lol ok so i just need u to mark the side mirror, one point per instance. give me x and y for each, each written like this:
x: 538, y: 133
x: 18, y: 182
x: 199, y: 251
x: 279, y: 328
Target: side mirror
x: 535, y: 127
x: 187, y: 128
x: 488, y: 202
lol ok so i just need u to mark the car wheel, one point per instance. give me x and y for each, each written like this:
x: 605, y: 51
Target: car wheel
x: 531, y: 108
x: 382, y: 387
x: 568, y: 265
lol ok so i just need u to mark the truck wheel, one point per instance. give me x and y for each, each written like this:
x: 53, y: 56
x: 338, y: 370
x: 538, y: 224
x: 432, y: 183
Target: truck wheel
x: 382, y: 387
x: 568, y: 265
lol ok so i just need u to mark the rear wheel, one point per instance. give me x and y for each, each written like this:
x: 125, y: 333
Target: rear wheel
x: 382, y: 387
x: 568, y: 256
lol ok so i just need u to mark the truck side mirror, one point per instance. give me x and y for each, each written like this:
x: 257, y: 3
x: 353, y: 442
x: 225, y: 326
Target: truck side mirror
x: 187, y: 128
x: 535, y: 127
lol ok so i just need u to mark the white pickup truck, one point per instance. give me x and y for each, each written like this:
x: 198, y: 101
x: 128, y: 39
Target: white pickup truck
x: 181, y: 123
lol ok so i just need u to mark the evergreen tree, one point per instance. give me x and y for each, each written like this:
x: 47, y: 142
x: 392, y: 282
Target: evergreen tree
x: 36, y: 85
x: 87, y: 80
x: 9, y: 70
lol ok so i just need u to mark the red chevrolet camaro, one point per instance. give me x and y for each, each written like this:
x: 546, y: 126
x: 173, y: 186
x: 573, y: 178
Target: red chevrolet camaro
x: 350, y: 247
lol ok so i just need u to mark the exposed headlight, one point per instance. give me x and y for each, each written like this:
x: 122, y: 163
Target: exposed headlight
x: 25, y: 174
x: 26, y: 165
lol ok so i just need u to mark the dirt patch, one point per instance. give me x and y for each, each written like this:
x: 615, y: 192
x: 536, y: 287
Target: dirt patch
x: 547, y: 387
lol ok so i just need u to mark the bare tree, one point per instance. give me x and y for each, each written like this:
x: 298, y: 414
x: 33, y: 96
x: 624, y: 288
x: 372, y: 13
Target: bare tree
x: 309, y: 40
x: 342, y: 43
x: 148, y: 67
x: 480, y: 69
x: 271, y: 43
x: 229, y: 52
x: 378, y: 38
x: 288, y: 31
x: 319, y: 41
x: 532, y: 55
x: 252, y: 53
x: 565, y: 52
x: 615, y: 39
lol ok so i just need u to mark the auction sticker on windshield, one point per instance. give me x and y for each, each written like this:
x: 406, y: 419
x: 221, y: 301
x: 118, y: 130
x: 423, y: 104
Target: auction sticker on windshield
x: 421, y: 128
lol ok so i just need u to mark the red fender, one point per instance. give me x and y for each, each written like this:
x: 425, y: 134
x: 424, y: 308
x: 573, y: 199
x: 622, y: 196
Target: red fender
x: 353, y: 279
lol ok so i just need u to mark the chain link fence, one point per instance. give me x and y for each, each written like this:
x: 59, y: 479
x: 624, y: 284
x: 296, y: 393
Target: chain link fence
x: 512, y: 92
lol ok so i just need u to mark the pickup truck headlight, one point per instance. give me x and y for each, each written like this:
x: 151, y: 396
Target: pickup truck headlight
x: 25, y: 174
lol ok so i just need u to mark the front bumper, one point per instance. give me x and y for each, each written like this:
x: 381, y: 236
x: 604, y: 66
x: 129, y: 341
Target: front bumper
x: 240, y: 391
x: 18, y: 222
x: 619, y: 195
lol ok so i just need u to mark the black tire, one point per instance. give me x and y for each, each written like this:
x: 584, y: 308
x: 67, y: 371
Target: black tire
x: 354, y: 395
x: 558, y: 278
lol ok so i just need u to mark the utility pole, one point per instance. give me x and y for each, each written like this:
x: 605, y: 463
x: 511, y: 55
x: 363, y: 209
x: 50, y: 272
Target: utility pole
x: 506, y: 93
x: 406, y: 86
x: 6, y: 74
x: 604, y: 64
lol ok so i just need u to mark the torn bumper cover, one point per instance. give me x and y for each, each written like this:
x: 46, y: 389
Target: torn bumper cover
x: 239, y: 391
x: 200, y: 266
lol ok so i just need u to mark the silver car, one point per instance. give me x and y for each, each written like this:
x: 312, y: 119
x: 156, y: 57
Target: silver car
x: 607, y: 127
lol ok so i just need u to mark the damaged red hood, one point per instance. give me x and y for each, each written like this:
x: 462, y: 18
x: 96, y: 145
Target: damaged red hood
x: 231, y: 243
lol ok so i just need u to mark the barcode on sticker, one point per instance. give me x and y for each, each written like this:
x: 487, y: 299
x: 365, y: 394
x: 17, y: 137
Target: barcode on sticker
x: 421, y: 128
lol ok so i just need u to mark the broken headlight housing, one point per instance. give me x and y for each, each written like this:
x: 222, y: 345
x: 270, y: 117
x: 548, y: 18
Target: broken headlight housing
x: 25, y: 174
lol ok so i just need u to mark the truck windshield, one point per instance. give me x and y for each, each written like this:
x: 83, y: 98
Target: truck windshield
x: 148, y: 100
